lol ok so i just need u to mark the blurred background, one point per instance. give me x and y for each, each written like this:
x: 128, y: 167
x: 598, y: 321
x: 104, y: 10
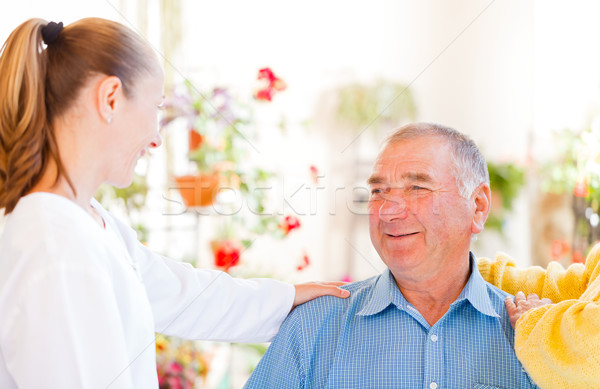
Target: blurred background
x: 275, y: 112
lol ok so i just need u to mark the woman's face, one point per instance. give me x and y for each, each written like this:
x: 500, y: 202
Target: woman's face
x: 135, y: 129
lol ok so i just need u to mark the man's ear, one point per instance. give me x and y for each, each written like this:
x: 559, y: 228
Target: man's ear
x: 110, y: 91
x: 482, y: 201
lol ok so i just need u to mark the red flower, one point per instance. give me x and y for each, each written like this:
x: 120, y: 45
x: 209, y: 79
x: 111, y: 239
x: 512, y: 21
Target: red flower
x: 314, y: 173
x: 266, y: 74
x: 278, y: 84
x: 271, y: 82
x: 264, y: 94
x: 227, y: 253
x: 346, y: 278
x: 289, y: 223
x: 305, y: 262
x: 581, y: 189
x: 578, y: 258
x: 558, y: 249
x: 175, y: 368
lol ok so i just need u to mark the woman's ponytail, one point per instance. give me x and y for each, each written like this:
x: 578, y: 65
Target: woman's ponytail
x: 24, y: 143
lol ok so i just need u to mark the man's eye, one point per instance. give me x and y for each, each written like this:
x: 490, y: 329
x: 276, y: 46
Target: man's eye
x: 419, y: 190
x: 375, y: 191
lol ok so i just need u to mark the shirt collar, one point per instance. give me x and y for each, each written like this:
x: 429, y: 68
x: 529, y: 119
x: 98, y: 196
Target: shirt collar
x: 386, y: 292
x: 476, y: 291
x: 383, y: 295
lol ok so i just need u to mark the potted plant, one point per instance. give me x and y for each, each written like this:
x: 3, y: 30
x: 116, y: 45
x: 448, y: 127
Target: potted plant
x: 212, y: 123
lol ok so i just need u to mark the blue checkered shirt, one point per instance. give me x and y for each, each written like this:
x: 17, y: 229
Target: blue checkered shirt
x: 376, y: 339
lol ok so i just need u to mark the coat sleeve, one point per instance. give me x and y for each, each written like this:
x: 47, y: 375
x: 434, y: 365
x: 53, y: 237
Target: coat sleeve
x: 554, y: 282
x: 204, y: 304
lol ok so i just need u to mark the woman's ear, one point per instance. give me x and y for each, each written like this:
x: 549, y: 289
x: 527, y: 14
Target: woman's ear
x: 482, y: 201
x: 110, y: 91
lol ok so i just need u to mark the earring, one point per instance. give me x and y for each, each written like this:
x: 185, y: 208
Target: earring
x: 109, y: 119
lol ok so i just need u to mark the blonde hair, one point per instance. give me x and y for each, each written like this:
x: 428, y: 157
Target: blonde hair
x: 38, y: 83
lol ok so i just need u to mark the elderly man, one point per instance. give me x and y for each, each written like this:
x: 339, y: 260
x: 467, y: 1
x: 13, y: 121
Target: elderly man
x: 428, y: 321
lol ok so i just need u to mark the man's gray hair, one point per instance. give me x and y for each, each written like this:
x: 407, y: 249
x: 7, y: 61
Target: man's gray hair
x: 470, y: 168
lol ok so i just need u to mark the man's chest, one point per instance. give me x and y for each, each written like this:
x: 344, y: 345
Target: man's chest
x: 393, y: 352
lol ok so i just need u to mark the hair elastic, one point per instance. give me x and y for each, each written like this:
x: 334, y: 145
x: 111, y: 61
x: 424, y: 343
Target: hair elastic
x: 50, y: 32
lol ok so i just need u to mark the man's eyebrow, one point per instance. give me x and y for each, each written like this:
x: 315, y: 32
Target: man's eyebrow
x: 375, y: 180
x: 419, y: 177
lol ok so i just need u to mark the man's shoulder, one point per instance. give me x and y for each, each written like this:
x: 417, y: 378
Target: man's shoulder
x: 496, y: 293
x: 497, y: 297
x: 329, y: 306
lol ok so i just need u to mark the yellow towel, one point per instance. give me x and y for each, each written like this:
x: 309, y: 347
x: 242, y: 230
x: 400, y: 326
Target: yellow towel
x: 558, y: 344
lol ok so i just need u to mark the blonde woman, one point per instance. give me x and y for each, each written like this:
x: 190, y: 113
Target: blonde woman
x: 80, y: 297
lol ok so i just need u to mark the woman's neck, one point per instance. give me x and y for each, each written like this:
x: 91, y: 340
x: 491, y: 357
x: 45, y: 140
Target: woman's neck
x: 50, y: 182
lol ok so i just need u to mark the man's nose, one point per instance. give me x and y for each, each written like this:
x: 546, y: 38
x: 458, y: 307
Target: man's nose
x: 394, y: 207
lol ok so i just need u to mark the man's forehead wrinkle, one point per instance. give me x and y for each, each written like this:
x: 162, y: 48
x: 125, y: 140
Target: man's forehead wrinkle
x: 413, y: 173
x: 399, y: 176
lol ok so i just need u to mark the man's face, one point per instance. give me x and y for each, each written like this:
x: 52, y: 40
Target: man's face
x: 419, y: 224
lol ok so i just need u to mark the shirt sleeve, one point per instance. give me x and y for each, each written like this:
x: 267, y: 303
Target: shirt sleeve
x: 554, y: 282
x: 282, y: 366
x: 80, y: 342
x: 208, y: 304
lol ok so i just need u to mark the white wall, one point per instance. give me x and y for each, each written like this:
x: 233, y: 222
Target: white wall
x: 505, y: 72
x: 466, y: 68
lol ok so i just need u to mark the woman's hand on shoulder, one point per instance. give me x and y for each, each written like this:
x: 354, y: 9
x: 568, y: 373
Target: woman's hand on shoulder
x: 522, y: 304
x: 311, y: 290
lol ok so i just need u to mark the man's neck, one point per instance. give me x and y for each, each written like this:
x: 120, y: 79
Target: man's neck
x: 432, y: 296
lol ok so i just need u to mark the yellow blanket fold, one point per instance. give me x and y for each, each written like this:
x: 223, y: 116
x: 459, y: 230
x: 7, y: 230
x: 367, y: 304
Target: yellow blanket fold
x: 558, y: 344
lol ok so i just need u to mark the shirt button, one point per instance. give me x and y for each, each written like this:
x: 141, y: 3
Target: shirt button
x: 433, y: 338
x: 433, y: 385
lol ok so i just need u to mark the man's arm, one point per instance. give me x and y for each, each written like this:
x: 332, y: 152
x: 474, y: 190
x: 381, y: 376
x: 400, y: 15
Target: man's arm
x: 554, y: 282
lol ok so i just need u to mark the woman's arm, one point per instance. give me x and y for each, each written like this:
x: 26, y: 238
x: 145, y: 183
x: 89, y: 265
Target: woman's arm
x: 558, y: 343
x: 554, y: 282
x: 211, y: 305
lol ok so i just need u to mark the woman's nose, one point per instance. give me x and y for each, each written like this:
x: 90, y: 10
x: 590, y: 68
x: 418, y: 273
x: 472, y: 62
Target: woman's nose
x: 156, y: 142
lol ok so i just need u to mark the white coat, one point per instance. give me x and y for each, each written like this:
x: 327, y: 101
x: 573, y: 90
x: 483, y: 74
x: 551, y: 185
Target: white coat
x: 80, y: 305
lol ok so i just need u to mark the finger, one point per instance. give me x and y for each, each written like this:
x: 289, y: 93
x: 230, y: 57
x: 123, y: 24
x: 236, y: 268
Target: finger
x: 309, y: 291
x: 333, y: 283
x: 546, y: 301
x: 333, y: 290
x: 520, y: 296
x: 511, y: 307
x: 512, y: 310
x: 533, y: 296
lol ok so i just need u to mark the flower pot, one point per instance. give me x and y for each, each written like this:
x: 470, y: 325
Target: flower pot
x: 195, y: 140
x: 200, y: 190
